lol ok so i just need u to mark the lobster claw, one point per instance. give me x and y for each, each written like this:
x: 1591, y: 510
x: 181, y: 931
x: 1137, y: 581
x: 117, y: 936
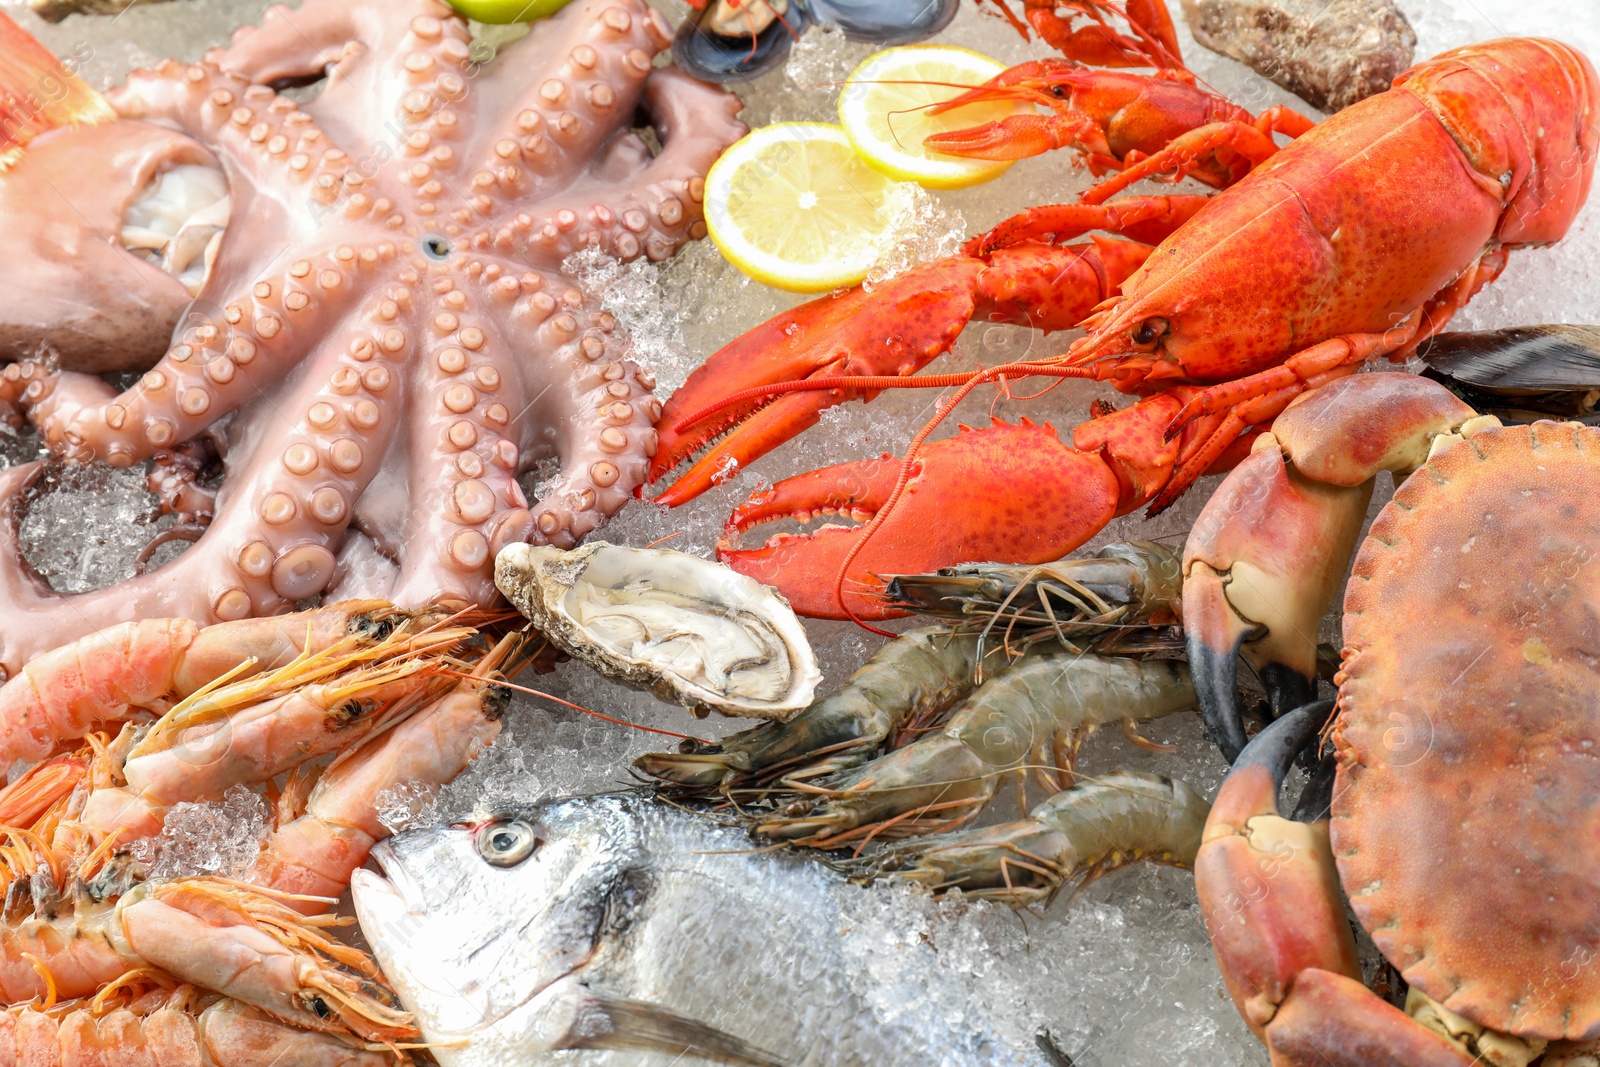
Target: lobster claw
x: 893, y: 330
x: 1011, y: 493
x: 920, y: 313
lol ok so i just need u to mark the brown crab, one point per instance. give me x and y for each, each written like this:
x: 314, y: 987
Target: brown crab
x: 1465, y: 802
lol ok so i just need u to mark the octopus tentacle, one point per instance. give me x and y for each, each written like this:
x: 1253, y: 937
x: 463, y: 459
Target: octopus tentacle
x: 659, y: 209
x: 181, y: 588
x: 327, y: 37
x: 214, y: 370
x: 464, y: 497
x: 601, y: 414
x: 416, y: 51
x: 279, y: 521
x: 266, y: 142
x: 571, y: 78
x: 175, y: 480
x: 287, y: 515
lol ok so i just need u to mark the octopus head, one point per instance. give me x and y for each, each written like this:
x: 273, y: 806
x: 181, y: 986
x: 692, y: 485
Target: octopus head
x: 115, y: 227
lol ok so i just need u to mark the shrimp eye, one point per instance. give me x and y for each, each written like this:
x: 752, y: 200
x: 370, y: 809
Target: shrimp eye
x: 507, y: 843
x: 1058, y: 90
x: 1149, y: 331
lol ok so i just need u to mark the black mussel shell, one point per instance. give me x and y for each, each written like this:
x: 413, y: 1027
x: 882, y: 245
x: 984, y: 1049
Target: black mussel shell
x: 1521, y: 374
x: 885, y: 22
x: 722, y: 58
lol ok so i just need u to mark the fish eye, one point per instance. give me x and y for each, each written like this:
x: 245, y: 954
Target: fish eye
x: 507, y: 843
x: 1149, y: 331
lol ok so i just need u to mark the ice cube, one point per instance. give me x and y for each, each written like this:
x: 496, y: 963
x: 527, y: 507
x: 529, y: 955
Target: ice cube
x: 221, y: 837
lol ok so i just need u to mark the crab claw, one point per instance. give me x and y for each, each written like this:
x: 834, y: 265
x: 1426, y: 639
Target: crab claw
x: 1267, y: 885
x: 1269, y: 892
x: 896, y: 329
x: 1269, y: 551
x: 1014, y: 494
x: 1261, y: 566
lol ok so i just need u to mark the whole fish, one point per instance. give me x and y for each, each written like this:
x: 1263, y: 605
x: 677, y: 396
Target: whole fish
x: 618, y: 922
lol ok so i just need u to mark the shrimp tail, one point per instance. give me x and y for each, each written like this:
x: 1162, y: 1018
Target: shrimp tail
x: 1075, y: 836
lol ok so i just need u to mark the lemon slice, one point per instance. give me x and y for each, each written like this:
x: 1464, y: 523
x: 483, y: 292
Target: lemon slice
x: 884, y: 110
x: 793, y: 206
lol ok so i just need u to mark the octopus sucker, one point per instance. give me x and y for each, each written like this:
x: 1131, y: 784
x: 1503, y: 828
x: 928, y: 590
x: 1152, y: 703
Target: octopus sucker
x: 382, y: 340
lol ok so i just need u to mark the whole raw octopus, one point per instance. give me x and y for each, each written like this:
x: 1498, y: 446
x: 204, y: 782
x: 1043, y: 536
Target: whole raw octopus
x: 382, y: 339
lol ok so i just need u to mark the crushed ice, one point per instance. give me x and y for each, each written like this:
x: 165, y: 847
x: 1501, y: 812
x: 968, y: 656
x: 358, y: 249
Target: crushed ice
x: 631, y: 292
x: 221, y: 837
x: 817, y: 68
x: 922, y: 229
x: 85, y: 526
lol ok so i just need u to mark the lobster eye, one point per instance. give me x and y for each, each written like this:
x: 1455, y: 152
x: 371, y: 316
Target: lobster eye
x: 506, y: 843
x: 1149, y: 331
x: 1058, y: 90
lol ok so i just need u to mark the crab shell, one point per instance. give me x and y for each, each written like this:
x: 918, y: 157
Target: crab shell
x: 685, y: 629
x: 1466, y: 816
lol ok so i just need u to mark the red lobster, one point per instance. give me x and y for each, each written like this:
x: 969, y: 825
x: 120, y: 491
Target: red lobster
x: 1358, y: 240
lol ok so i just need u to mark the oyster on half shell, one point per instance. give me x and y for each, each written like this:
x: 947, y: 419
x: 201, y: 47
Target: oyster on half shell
x: 690, y: 631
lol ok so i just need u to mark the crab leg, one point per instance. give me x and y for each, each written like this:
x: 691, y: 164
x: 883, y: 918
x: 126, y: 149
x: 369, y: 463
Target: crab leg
x: 1269, y: 551
x: 1267, y: 885
x: 1270, y: 895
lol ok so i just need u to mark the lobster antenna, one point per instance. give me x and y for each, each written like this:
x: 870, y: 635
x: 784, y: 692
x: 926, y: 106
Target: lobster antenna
x: 39, y: 93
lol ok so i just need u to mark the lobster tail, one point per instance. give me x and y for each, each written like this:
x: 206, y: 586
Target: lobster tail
x: 1489, y: 95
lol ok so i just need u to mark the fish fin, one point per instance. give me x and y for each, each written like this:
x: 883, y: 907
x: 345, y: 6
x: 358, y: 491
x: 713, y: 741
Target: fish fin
x: 39, y: 93
x: 600, y: 1021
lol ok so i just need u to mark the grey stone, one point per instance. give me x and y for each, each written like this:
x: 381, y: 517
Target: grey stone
x: 1329, y: 53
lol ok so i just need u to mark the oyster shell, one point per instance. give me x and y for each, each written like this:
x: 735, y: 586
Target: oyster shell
x: 690, y: 631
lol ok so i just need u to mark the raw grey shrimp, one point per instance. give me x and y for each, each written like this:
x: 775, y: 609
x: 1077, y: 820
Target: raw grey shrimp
x: 1076, y: 835
x: 1028, y: 720
x: 919, y: 676
x: 914, y: 678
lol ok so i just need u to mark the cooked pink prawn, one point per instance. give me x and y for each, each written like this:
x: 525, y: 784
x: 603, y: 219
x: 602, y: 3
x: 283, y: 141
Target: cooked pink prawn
x: 169, y: 1027
x: 100, y: 681
x: 414, y: 704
